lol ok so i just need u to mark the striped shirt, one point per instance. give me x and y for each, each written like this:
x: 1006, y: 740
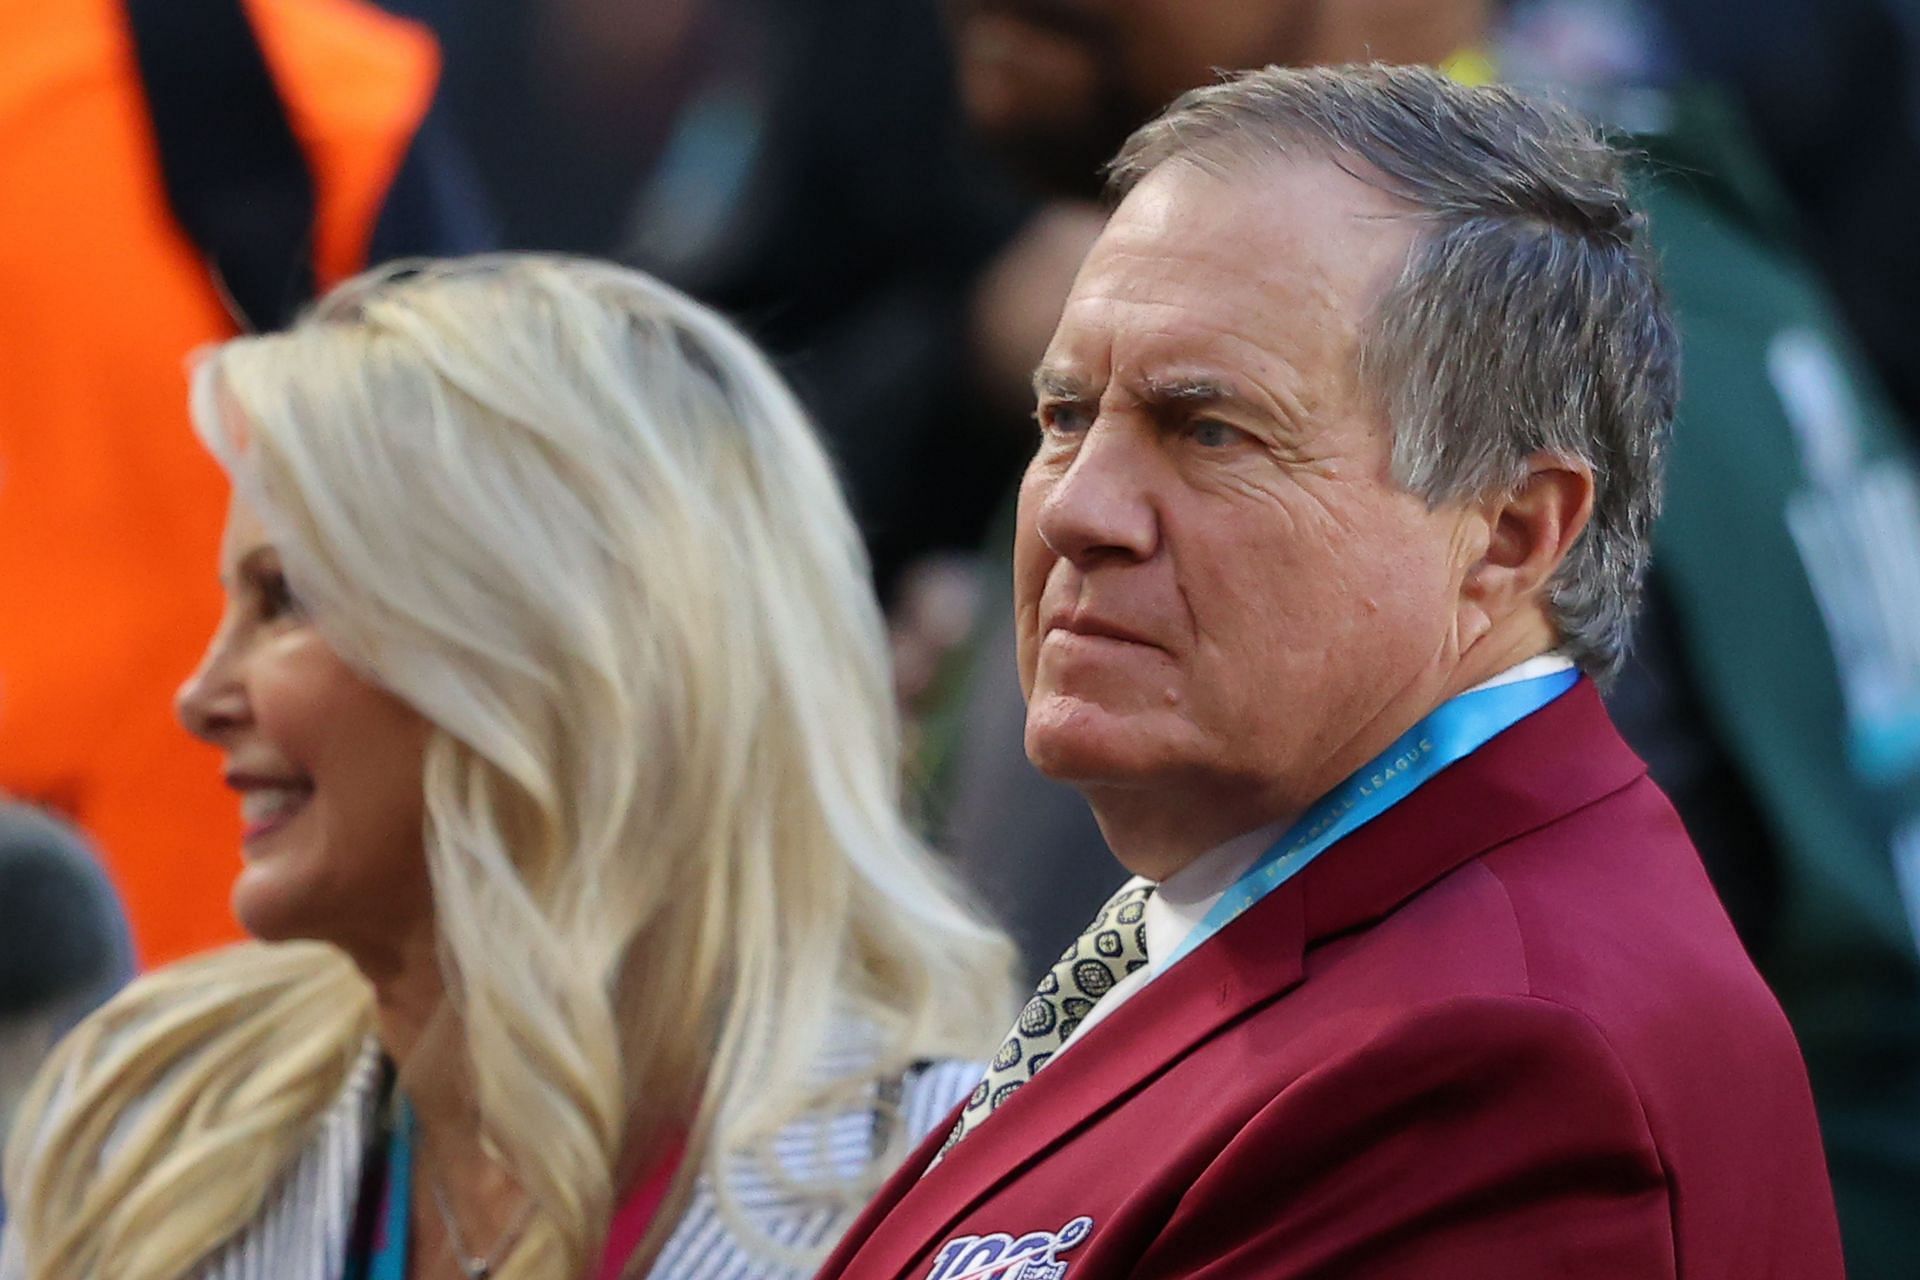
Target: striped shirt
x: 757, y: 1222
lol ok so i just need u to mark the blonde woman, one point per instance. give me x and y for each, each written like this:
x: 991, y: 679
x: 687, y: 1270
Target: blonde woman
x: 593, y: 941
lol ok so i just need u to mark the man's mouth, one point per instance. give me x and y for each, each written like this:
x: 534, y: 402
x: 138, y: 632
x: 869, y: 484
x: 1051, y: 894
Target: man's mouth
x: 1077, y: 623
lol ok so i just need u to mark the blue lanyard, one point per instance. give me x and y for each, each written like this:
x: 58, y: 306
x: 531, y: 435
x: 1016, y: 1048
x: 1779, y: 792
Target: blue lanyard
x: 390, y: 1241
x: 1456, y: 728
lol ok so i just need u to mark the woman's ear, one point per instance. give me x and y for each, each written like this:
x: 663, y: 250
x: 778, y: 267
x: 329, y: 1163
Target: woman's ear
x: 1529, y: 532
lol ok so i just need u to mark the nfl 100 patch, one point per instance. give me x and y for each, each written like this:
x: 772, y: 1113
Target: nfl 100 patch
x: 1002, y: 1256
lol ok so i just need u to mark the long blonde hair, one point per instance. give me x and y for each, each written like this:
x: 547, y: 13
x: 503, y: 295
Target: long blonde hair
x: 577, y: 521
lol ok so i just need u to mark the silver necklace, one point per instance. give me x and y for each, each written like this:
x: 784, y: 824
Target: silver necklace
x: 477, y: 1266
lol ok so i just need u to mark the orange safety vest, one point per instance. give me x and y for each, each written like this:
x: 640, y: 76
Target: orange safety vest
x: 110, y: 511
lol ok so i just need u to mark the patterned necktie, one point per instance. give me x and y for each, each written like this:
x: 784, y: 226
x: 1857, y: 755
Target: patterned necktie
x: 1112, y: 947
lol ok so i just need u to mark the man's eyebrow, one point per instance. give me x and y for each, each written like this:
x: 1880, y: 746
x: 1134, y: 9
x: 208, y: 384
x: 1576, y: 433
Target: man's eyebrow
x: 1190, y: 392
x: 1057, y: 384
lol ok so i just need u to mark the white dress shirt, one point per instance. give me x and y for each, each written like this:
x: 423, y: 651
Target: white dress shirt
x: 1185, y: 897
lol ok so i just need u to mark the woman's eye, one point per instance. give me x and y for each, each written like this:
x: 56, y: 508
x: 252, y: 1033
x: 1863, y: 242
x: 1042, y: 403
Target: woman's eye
x: 276, y: 597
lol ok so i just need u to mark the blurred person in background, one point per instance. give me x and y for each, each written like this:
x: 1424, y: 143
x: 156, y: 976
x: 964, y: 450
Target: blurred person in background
x: 64, y: 948
x: 171, y: 171
x: 1831, y: 89
x: 594, y: 943
x: 800, y: 165
x: 1775, y: 683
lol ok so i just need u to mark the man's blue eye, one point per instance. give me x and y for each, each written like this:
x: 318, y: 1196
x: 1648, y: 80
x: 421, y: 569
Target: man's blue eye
x: 1068, y: 418
x: 1213, y: 435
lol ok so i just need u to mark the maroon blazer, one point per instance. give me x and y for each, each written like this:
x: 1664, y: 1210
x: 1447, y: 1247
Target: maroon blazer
x: 1502, y: 1032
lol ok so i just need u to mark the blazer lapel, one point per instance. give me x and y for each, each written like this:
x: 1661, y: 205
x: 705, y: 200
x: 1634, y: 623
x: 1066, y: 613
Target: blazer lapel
x: 1561, y: 758
x: 1564, y: 756
x: 1255, y: 961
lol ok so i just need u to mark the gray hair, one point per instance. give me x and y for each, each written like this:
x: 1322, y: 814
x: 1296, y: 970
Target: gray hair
x: 1528, y: 318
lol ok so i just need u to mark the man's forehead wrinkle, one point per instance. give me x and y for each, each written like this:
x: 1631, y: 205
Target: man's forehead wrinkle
x: 1192, y: 322
x: 1131, y: 257
x: 1118, y: 291
x: 1287, y: 207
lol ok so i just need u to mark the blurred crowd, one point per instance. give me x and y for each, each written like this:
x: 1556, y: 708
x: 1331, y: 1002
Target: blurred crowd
x: 892, y: 196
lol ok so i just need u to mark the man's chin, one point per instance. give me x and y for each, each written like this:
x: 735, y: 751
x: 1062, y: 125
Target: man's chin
x: 1078, y: 741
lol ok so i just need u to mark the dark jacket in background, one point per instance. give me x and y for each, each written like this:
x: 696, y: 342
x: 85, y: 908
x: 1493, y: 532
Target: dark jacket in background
x: 802, y: 167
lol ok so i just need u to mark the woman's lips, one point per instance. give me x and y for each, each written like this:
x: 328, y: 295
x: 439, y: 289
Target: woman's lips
x: 265, y: 808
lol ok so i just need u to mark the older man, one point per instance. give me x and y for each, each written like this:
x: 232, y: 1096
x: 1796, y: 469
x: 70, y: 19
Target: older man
x: 1350, y: 440
x: 1774, y: 682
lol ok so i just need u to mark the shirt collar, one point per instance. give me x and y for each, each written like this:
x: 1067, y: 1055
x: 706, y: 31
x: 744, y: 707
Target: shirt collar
x: 1543, y: 665
x: 1184, y: 898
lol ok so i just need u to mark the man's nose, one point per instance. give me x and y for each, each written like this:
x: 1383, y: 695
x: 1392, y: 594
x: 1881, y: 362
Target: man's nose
x: 1102, y: 506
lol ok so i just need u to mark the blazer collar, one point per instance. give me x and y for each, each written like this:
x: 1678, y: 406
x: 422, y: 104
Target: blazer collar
x: 1559, y: 759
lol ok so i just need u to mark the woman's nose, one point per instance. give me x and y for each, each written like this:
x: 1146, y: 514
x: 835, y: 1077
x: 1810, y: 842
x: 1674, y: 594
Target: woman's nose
x: 211, y: 702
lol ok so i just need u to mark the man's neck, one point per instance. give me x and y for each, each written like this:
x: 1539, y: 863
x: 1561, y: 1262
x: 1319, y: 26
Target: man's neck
x: 1157, y: 836
x: 1498, y: 653
x: 1156, y: 832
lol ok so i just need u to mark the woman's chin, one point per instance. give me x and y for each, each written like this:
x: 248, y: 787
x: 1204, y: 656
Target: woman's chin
x: 272, y: 910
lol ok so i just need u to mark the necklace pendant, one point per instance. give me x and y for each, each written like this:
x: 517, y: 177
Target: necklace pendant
x: 477, y: 1268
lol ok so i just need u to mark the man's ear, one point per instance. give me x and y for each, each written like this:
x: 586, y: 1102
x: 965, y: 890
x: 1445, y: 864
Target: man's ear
x: 1529, y: 533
